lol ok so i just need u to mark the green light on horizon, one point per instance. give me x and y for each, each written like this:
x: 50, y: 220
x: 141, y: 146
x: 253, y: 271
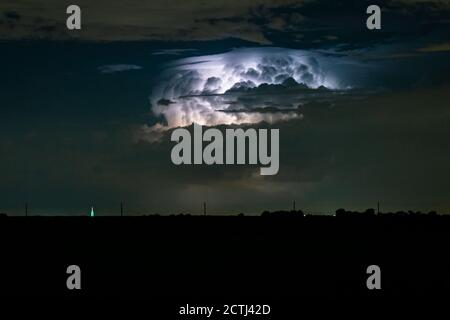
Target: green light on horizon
x: 92, y: 212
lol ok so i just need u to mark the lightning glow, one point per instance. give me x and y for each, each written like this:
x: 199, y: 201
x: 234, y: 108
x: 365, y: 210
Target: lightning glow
x: 198, y: 89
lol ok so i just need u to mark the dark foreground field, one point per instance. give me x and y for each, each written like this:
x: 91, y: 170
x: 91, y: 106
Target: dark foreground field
x: 225, y: 257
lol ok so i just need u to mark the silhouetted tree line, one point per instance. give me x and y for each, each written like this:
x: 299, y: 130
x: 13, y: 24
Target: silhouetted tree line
x: 283, y: 213
x: 299, y: 213
x: 347, y: 213
x: 371, y: 212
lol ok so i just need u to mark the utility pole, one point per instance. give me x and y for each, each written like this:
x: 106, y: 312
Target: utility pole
x: 121, y: 209
x: 26, y: 209
x: 204, y: 208
x: 294, y: 205
x: 378, y: 207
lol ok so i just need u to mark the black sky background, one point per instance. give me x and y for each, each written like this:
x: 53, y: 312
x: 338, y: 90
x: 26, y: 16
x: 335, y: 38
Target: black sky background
x: 70, y: 134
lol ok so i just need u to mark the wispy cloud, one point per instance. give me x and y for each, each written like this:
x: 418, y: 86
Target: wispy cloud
x: 441, y: 47
x: 173, y: 52
x: 112, y: 68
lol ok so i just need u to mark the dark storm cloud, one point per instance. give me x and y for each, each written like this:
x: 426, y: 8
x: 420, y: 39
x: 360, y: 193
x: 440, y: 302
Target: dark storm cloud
x: 389, y: 148
x: 12, y: 15
x: 410, y: 29
x: 384, y: 139
x: 353, y: 153
x: 137, y: 20
x: 301, y: 23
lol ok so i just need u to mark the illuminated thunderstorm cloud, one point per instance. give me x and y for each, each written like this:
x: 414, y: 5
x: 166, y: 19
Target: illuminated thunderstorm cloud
x: 244, y: 86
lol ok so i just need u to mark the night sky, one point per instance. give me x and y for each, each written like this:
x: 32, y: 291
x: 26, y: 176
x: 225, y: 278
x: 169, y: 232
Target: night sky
x: 86, y: 116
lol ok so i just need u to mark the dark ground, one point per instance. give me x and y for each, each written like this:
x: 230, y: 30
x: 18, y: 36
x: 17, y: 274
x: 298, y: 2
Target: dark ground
x: 221, y: 259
